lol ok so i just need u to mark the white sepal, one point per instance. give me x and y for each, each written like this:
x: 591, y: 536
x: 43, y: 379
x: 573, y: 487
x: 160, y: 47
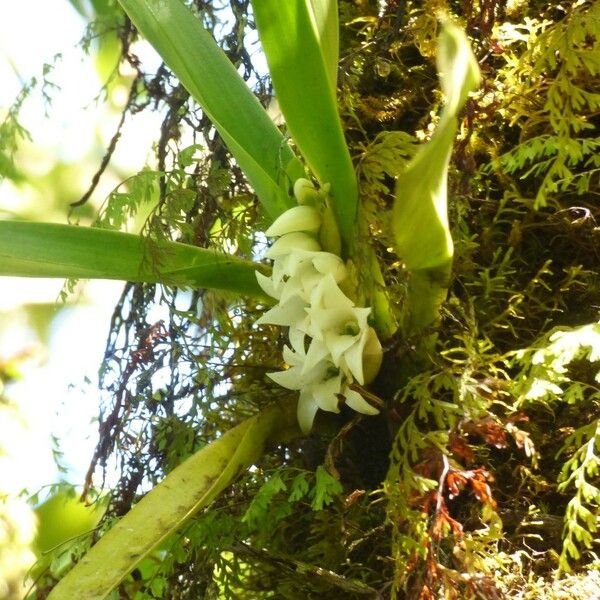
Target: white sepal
x: 317, y: 351
x: 307, y: 409
x: 297, y: 338
x: 325, y: 393
x: 292, y: 241
x: 292, y: 313
x: 268, y: 286
x: 289, y: 379
x: 356, y: 402
x: 328, y: 295
x: 325, y: 263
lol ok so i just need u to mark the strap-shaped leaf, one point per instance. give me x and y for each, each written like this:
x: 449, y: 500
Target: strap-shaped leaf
x: 420, y: 215
x: 300, y: 45
x: 187, y: 489
x: 326, y: 24
x: 53, y: 250
x: 202, y: 67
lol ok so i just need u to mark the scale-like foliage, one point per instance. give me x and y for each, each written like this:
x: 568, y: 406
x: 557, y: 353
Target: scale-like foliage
x: 547, y: 378
x: 553, y: 71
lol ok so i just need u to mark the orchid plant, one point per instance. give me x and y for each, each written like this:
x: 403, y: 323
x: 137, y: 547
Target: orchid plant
x: 311, y: 304
x: 312, y: 201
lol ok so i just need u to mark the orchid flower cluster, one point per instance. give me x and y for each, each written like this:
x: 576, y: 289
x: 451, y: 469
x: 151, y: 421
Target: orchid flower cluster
x: 331, y: 344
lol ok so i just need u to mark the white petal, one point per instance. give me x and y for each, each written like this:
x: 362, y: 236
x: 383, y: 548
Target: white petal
x: 317, y: 351
x: 292, y: 287
x: 352, y: 359
x: 307, y: 409
x: 296, y: 340
x: 294, y: 359
x: 290, y: 242
x: 267, y: 285
x: 298, y: 218
x: 299, y: 261
x: 338, y: 344
x: 328, y: 295
x: 290, y: 379
x: 289, y: 314
x: 362, y: 315
x: 325, y: 393
x: 372, y: 356
x: 326, y: 319
x: 355, y: 401
x: 325, y: 262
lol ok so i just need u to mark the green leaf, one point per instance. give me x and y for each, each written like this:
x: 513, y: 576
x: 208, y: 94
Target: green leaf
x: 300, y: 488
x: 63, y: 522
x: 299, y: 38
x: 327, y: 28
x: 257, y: 513
x: 326, y: 489
x: 187, y: 489
x: 208, y: 75
x: 420, y: 216
x: 53, y: 250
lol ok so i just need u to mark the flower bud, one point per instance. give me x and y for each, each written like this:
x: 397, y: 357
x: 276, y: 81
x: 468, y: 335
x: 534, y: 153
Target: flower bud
x: 305, y: 192
x: 298, y: 218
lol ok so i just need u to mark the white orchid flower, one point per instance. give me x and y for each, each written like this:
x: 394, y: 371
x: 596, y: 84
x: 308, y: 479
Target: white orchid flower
x: 304, y: 271
x: 319, y: 386
x: 343, y: 329
x: 342, y: 347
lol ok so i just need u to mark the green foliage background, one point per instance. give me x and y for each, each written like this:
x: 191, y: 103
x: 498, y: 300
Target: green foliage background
x: 484, y: 467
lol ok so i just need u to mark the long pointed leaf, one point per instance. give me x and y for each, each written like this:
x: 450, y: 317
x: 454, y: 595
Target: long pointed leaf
x: 298, y: 42
x: 191, y: 486
x: 420, y: 215
x: 53, y: 250
x: 202, y: 67
x: 327, y: 27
